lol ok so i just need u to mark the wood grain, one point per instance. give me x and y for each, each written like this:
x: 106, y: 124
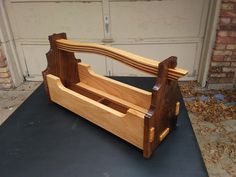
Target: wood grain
x: 164, y: 134
x: 150, y: 66
x: 161, y: 114
x: 123, y: 91
x: 111, y: 97
x: 128, y: 126
x: 140, y: 117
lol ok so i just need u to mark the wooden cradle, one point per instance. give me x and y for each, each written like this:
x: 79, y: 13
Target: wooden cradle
x: 140, y: 117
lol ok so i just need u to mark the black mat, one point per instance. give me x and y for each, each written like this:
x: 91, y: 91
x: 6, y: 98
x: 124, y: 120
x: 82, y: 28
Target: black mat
x: 46, y: 140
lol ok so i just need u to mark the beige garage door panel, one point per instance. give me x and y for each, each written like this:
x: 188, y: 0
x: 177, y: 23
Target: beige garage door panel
x: 32, y: 21
x: 186, y: 56
x: 35, y: 59
x: 155, y: 29
x: 37, y: 63
x: 39, y: 19
x: 156, y: 19
x: 97, y: 62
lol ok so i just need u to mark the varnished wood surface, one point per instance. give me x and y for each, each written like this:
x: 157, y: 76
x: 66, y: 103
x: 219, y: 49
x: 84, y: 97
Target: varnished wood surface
x: 128, y: 126
x: 126, y: 92
x: 164, y: 134
x: 161, y: 114
x: 147, y: 65
x: 112, y: 97
x: 140, y: 117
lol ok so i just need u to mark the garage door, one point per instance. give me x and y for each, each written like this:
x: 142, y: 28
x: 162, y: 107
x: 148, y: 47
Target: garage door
x: 155, y: 29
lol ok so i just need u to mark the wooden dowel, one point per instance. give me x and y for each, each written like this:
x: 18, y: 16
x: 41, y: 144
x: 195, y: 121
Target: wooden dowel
x: 164, y: 134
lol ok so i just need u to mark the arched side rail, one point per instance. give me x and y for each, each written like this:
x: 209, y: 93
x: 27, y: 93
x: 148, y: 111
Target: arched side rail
x: 144, y: 64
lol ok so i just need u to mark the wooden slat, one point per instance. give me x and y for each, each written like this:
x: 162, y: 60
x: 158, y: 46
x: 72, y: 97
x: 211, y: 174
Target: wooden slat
x: 113, y: 98
x: 129, y: 126
x: 123, y: 91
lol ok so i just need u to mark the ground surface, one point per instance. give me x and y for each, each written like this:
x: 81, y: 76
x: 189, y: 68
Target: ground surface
x: 213, y: 117
x: 11, y: 99
x: 212, y: 113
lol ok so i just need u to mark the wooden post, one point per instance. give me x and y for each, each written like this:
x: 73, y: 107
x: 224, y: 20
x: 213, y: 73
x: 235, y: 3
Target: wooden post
x: 161, y: 115
x: 61, y: 63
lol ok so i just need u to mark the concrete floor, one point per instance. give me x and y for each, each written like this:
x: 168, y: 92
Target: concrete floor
x: 217, y: 140
x: 10, y: 100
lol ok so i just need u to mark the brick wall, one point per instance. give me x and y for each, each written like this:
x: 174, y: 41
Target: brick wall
x: 223, y: 62
x: 5, y: 77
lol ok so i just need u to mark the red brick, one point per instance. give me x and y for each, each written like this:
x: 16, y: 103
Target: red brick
x: 226, y: 40
x: 222, y: 52
x: 230, y: 74
x: 230, y: 58
x: 227, y: 6
x: 218, y: 58
x: 233, y: 20
x: 4, y: 75
x: 225, y: 80
x: 225, y: 20
x: 2, y: 64
x: 233, y: 57
x: 228, y: 27
x: 5, y: 80
x: 231, y: 46
x: 2, y: 56
x: 228, y: 0
x: 216, y: 69
x: 222, y: 33
x: 233, y: 64
x: 220, y: 63
x: 229, y: 69
x: 218, y: 75
x: 224, y: 13
x: 213, y: 80
x: 232, y: 33
x: 4, y: 70
x: 5, y: 86
x: 220, y: 46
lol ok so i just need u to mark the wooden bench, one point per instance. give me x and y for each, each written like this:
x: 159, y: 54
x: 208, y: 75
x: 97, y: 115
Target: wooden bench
x: 140, y: 117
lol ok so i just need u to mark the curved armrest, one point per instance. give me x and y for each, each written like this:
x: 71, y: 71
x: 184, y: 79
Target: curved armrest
x: 144, y: 64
